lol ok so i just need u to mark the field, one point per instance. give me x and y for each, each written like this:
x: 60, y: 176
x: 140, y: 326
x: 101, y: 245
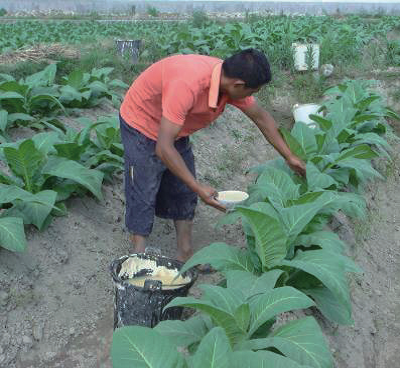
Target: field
x: 321, y: 253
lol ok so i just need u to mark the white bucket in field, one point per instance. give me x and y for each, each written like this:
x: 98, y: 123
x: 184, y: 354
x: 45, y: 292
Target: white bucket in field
x: 300, y: 55
x: 302, y: 113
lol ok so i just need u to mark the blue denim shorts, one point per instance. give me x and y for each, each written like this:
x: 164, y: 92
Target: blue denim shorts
x: 150, y: 188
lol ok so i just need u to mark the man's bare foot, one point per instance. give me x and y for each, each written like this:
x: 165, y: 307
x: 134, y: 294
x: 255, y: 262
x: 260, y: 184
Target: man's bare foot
x: 184, y: 255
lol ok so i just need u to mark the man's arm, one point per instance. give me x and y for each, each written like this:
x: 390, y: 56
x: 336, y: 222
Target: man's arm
x: 266, y: 123
x: 168, y: 154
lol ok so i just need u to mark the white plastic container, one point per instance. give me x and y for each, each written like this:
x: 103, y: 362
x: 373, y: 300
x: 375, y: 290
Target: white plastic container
x: 300, y: 52
x: 231, y: 198
x: 302, y: 113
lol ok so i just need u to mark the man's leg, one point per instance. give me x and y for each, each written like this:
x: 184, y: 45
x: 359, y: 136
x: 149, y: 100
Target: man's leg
x: 184, y: 239
x: 143, y: 172
x: 138, y: 243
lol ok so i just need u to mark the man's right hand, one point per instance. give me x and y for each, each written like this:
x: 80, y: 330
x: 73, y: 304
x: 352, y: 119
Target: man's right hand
x: 208, y: 195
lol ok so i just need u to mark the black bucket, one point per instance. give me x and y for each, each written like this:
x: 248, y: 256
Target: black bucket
x: 143, y: 306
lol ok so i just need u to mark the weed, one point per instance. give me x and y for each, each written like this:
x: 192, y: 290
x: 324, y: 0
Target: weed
x: 3, y: 12
x: 153, y: 11
x: 199, y: 18
x: 309, y: 87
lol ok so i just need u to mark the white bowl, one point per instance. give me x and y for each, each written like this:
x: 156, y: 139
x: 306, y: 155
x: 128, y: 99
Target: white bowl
x: 230, y: 198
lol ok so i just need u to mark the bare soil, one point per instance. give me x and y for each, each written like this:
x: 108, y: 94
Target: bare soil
x: 56, y: 299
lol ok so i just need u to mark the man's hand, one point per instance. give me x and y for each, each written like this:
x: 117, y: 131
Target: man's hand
x: 297, y: 165
x: 208, y: 195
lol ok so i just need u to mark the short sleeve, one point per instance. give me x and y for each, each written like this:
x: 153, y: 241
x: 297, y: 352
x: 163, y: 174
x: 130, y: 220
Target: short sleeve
x: 177, y: 99
x: 243, y: 103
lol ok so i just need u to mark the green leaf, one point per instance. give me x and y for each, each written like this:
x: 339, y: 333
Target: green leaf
x: 20, y: 117
x: 12, y: 234
x: 306, y: 137
x: 279, y: 300
x: 227, y: 299
x: 222, y: 257
x: 44, y: 97
x: 63, y: 168
x: 317, y: 180
x: 44, y: 77
x: 242, y: 316
x: 70, y: 150
x: 220, y: 316
x: 278, y: 186
x: 297, y: 217
x: 75, y: 79
x: 364, y: 169
x: 183, y: 333
x: 327, y: 240
x: 213, y: 351
x: 330, y: 306
x: 269, y: 234
x: 324, y: 124
x: 10, y: 95
x: 25, y: 162
x: 3, y: 120
x: 36, y: 210
x: 261, y: 359
x: 44, y: 142
x: 363, y: 151
x: 301, y: 340
x: 251, y: 284
x: 135, y: 347
x: 293, y: 144
x: 330, y: 270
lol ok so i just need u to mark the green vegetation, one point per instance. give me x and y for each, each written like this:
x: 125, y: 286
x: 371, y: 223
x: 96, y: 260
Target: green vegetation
x: 292, y: 260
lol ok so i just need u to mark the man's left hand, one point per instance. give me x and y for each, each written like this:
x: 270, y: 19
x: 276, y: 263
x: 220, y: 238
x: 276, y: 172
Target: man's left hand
x: 297, y: 165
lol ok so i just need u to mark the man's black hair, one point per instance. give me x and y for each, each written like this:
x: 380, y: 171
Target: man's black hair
x: 251, y: 66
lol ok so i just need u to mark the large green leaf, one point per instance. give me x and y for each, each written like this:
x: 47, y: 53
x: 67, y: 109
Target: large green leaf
x: 142, y: 347
x: 293, y: 144
x: 330, y: 306
x: 184, y: 333
x: 20, y: 117
x: 279, y: 187
x: 229, y: 299
x: 269, y: 234
x: 330, y: 270
x: 25, y: 161
x: 44, y: 142
x: 222, y: 257
x: 220, y: 316
x: 251, y: 284
x: 42, y: 78
x: 323, y: 123
x: 301, y: 340
x: 306, y: 137
x: 261, y: 359
x: 63, y: 168
x: 36, y: 210
x: 279, y: 300
x: 364, y: 169
x: 214, y: 351
x: 12, y: 234
x: 70, y: 150
x: 317, y: 180
x: 327, y: 240
x: 297, y: 217
x: 363, y: 151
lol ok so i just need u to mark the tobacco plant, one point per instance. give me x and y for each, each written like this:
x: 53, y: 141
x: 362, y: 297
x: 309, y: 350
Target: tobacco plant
x: 237, y: 321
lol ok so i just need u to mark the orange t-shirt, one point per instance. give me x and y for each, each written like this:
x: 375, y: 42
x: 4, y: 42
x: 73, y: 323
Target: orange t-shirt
x: 182, y: 88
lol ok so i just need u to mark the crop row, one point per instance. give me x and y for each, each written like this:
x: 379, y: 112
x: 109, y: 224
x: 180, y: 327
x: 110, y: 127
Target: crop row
x: 37, y: 175
x: 292, y: 261
x: 340, y: 37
